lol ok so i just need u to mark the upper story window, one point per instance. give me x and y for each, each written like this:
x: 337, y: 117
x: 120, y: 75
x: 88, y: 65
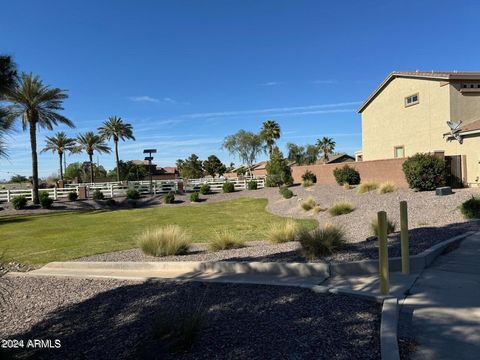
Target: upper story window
x: 411, y: 100
x: 399, y: 151
x: 471, y: 86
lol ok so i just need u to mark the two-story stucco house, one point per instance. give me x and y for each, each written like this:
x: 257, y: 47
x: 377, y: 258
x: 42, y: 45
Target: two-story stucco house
x: 408, y: 113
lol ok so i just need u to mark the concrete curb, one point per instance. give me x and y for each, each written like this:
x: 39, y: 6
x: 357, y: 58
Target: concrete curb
x: 389, y: 330
x: 417, y: 262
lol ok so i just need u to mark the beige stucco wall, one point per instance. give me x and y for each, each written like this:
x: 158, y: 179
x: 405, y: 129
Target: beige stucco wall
x: 387, y: 123
x: 464, y: 106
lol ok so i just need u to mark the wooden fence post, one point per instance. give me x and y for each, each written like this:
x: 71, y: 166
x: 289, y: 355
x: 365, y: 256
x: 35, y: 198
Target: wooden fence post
x: 111, y: 190
x: 383, y: 252
x: 55, y: 193
x: 8, y: 195
x: 404, y: 237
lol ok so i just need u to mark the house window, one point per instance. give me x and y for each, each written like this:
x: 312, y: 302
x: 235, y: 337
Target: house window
x: 399, y: 151
x: 411, y: 100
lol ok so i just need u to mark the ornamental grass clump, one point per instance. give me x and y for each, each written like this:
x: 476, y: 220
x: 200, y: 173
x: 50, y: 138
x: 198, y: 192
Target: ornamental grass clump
x: 387, y: 187
x: 169, y: 198
x: 280, y: 233
x: 321, y: 241
x: 374, y: 226
x: 224, y: 240
x: 471, y: 208
x: 195, y: 197
x: 341, y: 208
x: 164, y: 241
x: 367, y: 187
x: 308, y: 204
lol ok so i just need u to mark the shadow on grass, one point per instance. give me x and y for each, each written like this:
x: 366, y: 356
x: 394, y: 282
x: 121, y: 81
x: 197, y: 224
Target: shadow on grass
x: 241, y: 321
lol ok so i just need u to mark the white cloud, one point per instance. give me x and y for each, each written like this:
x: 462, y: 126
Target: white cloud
x: 169, y: 100
x: 144, y: 98
x: 269, y: 83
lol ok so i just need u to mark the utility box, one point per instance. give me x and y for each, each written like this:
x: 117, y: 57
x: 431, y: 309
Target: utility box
x: 444, y: 190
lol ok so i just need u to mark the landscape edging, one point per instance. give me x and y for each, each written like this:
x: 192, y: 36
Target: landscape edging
x: 389, y: 330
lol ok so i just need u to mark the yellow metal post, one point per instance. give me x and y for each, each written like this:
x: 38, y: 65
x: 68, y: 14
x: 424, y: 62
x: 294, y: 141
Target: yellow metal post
x: 383, y: 252
x: 404, y: 237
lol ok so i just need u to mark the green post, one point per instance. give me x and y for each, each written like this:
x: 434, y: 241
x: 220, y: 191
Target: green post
x: 383, y: 252
x: 404, y: 237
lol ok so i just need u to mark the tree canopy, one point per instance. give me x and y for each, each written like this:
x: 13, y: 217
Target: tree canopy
x: 246, y: 145
x: 213, y: 166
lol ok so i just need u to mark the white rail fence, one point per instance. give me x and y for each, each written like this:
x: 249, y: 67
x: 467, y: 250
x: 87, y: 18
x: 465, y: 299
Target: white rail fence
x: 115, y: 189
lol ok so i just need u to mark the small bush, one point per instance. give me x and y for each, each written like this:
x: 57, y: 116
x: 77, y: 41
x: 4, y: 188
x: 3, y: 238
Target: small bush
x: 169, y: 198
x: 341, y: 208
x: 195, y: 197
x: 321, y: 241
x: 308, y: 204
x: 307, y: 183
x: 72, y: 196
x: 132, y: 194
x: 19, y: 202
x: 45, y: 200
x: 97, y: 195
x: 424, y: 172
x: 43, y: 194
x: 309, y: 176
x: 347, y: 186
x: 471, y: 208
x: 225, y: 240
x: 285, y: 191
x: 346, y: 175
x: 386, y: 187
x: 374, y: 226
x: 283, y: 232
x: 228, y: 187
x: 367, y: 187
x: 164, y: 241
x: 252, y: 185
x: 205, y: 189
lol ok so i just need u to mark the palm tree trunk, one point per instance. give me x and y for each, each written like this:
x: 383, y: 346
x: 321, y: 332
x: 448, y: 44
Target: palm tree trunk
x: 33, y: 143
x: 90, y: 156
x: 60, y: 155
x: 117, y: 160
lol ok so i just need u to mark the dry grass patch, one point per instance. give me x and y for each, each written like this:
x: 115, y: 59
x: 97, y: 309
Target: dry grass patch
x: 374, y: 226
x: 367, y: 187
x: 283, y: 233
x: 341, y: 208
x: 321, y: 241
x: 224, y: 240
x: 347, y: 186
x: 164, y: 241
x: 387, y: 187
x: 308, y: 204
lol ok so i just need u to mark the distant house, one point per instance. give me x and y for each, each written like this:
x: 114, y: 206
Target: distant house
x: 408, y: 114
x: 158, y: 172
x: 335, y: 159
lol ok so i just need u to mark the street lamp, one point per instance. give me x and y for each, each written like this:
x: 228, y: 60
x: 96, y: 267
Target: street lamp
x: 149, y: 158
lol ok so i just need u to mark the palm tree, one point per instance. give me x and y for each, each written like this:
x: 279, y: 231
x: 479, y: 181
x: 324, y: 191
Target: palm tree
x: 326, y: 145
x: 60, y: 143
x: 8, y: 78
x: 115, y: 128
x: 270, y: 132
x: 36, y: 104
x: 89, y: 142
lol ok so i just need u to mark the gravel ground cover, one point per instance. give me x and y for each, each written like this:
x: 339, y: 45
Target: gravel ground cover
x: 113, y: 319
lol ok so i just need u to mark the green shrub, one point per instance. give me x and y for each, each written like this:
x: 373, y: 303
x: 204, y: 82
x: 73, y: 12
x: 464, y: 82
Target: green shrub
x: 278, y: 171
x: 283, y: 233
x: 45, y: 200
x: 195, y: 197
x: 19, y: 202
x: 367, y: 187
x: 252, y: 185
x: 321, y: 241
x: 386, y: 187
x: 228, y: 187
x: 471, y: 208
x: 308, y: 204
x: 97, y: 195
x: 286, y: 192
x: 309, y: 176
x: 169, y: 198
x: 132, y: 194
x: 205, y: 189
x: 424, y: 172
x: 164, y: 241
x: 374, y: 226
x: 341, y: 208
x: 224, y: 240
x: 72, y: 196
x: 346, y: 175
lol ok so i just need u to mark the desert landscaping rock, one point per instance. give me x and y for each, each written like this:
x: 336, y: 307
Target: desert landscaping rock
x: 108, y: 319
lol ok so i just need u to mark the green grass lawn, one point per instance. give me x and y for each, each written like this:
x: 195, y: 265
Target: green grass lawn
x: 38, y: 239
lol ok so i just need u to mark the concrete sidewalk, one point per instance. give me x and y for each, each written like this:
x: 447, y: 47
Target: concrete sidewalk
x: 443, y: 311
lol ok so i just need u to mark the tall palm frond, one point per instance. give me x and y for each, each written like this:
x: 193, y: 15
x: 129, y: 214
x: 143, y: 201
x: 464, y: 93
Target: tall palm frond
x: 90, y: 142
x: 270, y: 132
x: 327, y: 146
x: 60, y: 143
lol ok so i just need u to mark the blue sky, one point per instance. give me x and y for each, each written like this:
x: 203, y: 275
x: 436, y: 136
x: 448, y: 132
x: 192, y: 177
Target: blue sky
x: 188, y: 73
